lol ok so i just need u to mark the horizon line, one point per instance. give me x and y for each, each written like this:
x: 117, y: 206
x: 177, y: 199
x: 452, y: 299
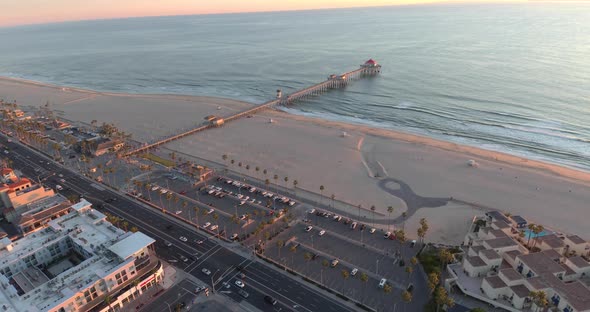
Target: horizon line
x: 433, y: 3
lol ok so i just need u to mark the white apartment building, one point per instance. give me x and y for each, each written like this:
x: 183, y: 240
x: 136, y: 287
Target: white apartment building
x: 74, y: 263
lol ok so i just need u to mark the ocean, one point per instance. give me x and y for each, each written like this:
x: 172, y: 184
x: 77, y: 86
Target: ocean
x: 508, y: 77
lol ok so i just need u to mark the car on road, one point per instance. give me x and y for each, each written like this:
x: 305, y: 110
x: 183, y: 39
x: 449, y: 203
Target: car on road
x: 386, y: 235
x: 206, y: 272
x: 234, y: 236
x: 182, y: 238
x: 213, y: 227
x: 168, y: 244
x: 372, y: 230
x: 308, y: 228
x: 178, y: 212
x: 240, y: 283
x: 183, y: 258
x: 334, y: 263
x: 243, y: 293
x: 60, y: 175
x: 413, y: 243
x: 199, y: 289
x: 62, y: 180
x: 58, y: 187
x: 155, y: 188
x: 354, y: 271
x: 291, y: 203
x: 270, y: 300
x: 206, y: 225
x: 322, y: 232
x: 410, y: 288
x: 199, y: 242
x: 382, y: 283
x: 211, y: 211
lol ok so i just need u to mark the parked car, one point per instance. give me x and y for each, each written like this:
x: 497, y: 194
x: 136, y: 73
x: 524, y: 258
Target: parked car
x: 353, y: 225
x: 182, y: 238
x: 334, y: 263
x: 213, y: 227
x: 410, y: 288
x: 168, y: 244
x: 243, y: 293
x: 207, y: 224
x: 382, y: 283
x: 240, y: 283
x: 372, y: 230
x: 322, y: 232
x: 206, y: 272
x: 386, y: 235
x: 234, y: 236
x: 183, y: 258
x: 309, y: 228
x: 354, y: 271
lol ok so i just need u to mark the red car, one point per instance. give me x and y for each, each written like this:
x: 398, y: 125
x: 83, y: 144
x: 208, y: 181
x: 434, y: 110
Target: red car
x: 182, y: 192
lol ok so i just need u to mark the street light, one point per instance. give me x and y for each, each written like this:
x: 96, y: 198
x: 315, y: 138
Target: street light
x: 377, y: 270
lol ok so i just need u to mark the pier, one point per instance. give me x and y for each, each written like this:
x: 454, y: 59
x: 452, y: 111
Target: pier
x: 369, y: 68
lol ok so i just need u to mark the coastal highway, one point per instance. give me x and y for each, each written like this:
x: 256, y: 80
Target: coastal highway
x: 224, y: 263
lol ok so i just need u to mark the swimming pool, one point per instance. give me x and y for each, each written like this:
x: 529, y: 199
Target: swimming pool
x: 528, y: 234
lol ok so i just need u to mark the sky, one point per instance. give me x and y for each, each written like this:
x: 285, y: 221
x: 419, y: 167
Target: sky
x: 20, y: 12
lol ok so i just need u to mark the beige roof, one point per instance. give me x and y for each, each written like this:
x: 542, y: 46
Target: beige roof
x: 576, y: 239
x: 475, y: 261
x: 552, y: 241
x: 520, y: 290
x: 540, y: 263
x: 501, y: 242
x: 477, y: 249
x: 575, y: 293
x: 495, y: 282
x: 536, y: 283
x: 579, y: 262
x: 511, y: 274
x: 490, y: 254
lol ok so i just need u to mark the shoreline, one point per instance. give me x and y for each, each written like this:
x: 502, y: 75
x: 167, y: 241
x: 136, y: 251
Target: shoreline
x: 547, y: 167
x: 492, y: 155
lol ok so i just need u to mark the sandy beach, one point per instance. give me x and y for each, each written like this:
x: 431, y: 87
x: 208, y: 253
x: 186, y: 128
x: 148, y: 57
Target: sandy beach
x: 316, y: 153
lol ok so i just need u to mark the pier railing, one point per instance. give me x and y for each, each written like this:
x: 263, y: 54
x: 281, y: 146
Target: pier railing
x: 333, y: 82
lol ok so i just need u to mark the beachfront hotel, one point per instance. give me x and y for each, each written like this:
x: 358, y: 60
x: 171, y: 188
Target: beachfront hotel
x: 76, y: 262
x: 499, y: 269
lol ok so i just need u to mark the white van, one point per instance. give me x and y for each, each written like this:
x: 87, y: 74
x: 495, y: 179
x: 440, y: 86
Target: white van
x: 58, y: 187
x: 382, y: 283
x: 353, y: 225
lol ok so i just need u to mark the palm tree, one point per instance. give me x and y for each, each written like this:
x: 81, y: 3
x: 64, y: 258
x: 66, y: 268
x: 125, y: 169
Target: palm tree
x: 307, y: 256
x: 196, y: 210
x: 108, y: 299
x: 364, y: 278
x: 280, y: 244
x: 387, y: 288
x: 224, y: 157
x: 134, y: 229
x: 404, y: 216
x: 409, y: 270
x: 424, y: 227
x: 321, y: 194
x: 276, y: 177
x: 537, y: 230
x: 539, y: 298
x: 257, y: 169
x: 286, y: 179
x: 359, y: 207
x: 406, y: 297
x: 390, y: 211
x: 345, y: 274
x: 445, y: 257
x: 531, y: 227
x: 332, y: 197
x: 373, y: 212
x: 125, y: 224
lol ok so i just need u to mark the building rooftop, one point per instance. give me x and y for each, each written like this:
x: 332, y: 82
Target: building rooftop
x: 501, y: 224
x: 129, y: 245
x: 552, y: 254
x: 475, y: 261
x: 477, y: 248
x: 99, y: 243
x: 496, y: 215
x: 513, y: 253
x: 511, y: 274
x: 552, y: 241
x: 497, y: 233
x: 576, y: 239
x: 495, y: 282
x: 501, y: 242
x: 579, y: 262
x: 540, y: 263
x: 575, y: 292
x: 490, y: 254
x: 520, y: 290
x: 518, y: 219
